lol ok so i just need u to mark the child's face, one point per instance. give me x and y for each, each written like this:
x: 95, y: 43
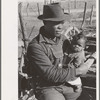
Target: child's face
x: 78, y: 45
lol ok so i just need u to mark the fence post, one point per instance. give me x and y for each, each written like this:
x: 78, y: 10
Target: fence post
x: 75, y: 4
x: 22, y: 25
x: 44, y: 2
x: 84, y: 14
x: 50, y: 1
x: 24, y: 37
x: 68, y: 6
x: 91, y: 14
x: 38, y: 8
x: 27, y: 8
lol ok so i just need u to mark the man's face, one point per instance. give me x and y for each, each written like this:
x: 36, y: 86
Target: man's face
x: 54, y: 29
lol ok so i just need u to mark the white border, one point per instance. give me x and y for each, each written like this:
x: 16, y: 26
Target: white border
x: 9, y: 51
x: 97, y: 48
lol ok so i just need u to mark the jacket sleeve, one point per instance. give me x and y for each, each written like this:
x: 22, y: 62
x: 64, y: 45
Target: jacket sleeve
x: 45, y: 68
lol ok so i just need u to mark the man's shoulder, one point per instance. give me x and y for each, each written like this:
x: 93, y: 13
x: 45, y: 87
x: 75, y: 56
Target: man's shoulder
x: 34, y: 42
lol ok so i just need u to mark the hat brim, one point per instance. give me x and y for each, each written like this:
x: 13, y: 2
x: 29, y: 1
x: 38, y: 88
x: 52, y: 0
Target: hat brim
x: 66, y: 17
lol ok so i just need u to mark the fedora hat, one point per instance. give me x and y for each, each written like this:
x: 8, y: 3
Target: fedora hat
x: 53, y: 12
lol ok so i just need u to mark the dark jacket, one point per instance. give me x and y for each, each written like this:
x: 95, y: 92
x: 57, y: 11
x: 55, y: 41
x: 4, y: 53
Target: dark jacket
x: 44, y: 57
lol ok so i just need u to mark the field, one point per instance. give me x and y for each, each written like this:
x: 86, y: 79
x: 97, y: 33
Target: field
x: 30, y: 14
x: 76, y: 9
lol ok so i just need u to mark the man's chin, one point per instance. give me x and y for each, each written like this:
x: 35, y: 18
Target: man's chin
x: 58, y: 35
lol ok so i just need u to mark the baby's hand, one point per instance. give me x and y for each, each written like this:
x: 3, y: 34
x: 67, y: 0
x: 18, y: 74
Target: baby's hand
x: 94, y: 55
x: 87, y: 56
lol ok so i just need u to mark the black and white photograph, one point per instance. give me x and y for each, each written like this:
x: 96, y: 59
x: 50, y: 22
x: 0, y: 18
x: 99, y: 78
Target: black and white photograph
x: 54, y: 51
x: 57, y: 50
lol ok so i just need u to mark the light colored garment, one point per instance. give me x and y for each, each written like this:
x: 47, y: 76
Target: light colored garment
x: 76, y: 81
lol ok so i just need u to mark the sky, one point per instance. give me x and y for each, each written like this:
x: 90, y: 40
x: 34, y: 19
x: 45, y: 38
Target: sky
x: 32, y: 0
x: 47, y: 0
x: 39, y: 0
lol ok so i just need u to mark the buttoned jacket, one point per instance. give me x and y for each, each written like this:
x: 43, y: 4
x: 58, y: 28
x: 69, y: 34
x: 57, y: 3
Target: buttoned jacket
x: 45, y: 58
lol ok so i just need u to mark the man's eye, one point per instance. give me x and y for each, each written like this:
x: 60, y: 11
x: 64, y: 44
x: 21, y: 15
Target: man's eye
x: 80, y: 45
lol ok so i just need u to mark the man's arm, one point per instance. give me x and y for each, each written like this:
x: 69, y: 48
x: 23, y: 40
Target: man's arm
x: 83, y: 68
x: 45, y: 68
x: 48, y: 71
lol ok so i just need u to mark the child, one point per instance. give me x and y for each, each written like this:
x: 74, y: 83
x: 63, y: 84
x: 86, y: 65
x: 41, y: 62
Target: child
x: 76, y: 57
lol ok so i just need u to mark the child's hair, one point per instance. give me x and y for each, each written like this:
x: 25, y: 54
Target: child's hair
x: 79, y: 36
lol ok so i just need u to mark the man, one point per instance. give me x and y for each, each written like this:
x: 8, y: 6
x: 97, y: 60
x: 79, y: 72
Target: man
x: 45, y: 55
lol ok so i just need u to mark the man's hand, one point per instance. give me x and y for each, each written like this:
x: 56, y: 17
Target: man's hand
x: 83, y: 68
